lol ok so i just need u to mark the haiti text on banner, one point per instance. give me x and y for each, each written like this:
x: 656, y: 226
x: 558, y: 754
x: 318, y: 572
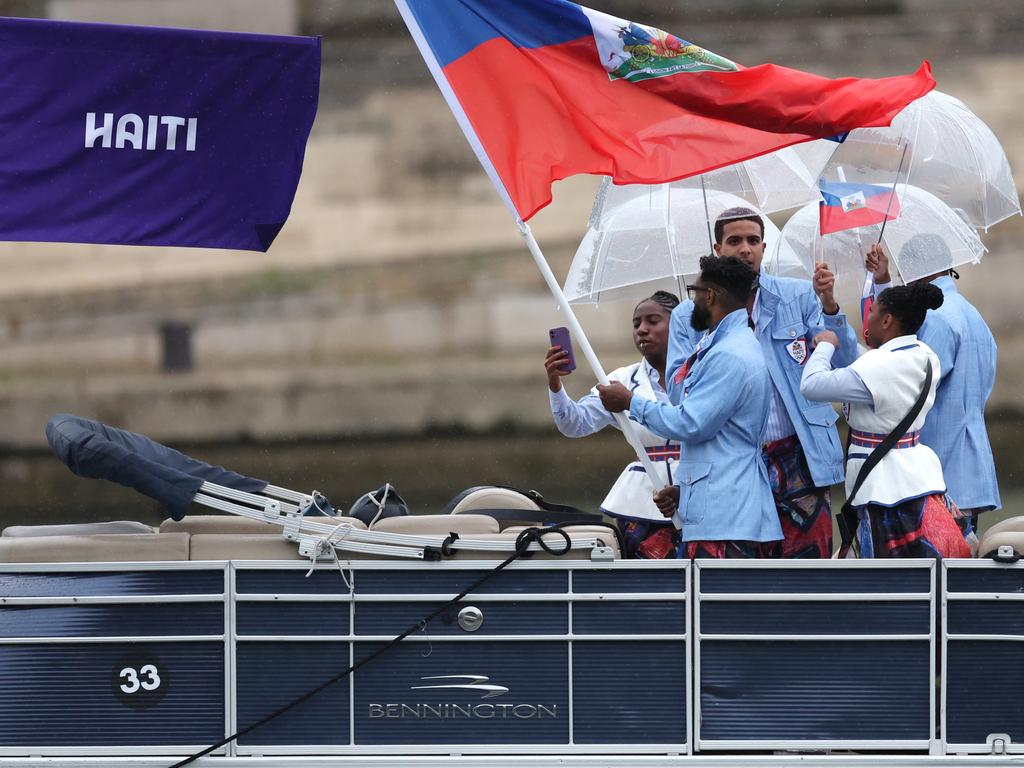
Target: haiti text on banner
x: 846, y: 205
x: 150, y: 136
x: 550, y: 89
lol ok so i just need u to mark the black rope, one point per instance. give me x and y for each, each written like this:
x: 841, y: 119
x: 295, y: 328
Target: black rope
x: 535, y: 534
x: 523, y: 542
x: 446, y: 545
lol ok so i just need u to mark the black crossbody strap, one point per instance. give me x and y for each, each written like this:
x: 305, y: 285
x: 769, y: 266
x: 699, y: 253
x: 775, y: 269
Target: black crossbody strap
x: 848, y: 516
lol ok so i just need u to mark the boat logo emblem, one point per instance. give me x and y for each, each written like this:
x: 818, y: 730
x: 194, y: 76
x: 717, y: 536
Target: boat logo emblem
x: 468, y: 683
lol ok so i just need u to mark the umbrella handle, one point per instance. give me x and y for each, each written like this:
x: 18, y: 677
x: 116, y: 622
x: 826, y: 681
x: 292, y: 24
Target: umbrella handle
x: 892, y: 194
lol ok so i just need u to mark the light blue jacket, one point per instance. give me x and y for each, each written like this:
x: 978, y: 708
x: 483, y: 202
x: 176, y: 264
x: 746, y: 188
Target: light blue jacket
x: 718, y: 412
x: 789, y: 311
x: 955, y: 427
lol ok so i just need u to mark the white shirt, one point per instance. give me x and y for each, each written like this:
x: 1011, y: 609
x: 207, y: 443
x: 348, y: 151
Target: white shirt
x: 880, y: 388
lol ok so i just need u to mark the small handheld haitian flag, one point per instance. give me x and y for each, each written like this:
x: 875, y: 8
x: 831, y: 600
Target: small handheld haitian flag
x: 847, y: 205
x: 151, y: 136
x: 545, y: 89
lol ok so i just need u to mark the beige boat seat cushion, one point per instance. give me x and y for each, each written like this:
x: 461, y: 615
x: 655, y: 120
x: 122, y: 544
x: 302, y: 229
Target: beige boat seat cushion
x: 438, y: 525
x: 214, y: 524
x: 1008, y: 525
x: 992, y: 542
x: 116, y: 547
x: 76, y: 529
x: 489, y: 497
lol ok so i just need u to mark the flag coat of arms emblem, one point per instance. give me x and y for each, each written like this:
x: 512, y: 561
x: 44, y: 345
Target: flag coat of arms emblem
x: 631, y: 51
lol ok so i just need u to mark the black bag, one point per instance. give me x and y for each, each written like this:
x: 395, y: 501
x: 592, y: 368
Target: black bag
x: 379, y: 504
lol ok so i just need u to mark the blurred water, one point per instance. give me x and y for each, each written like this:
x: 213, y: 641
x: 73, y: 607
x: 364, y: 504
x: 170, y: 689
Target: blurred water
x: 427, y: 471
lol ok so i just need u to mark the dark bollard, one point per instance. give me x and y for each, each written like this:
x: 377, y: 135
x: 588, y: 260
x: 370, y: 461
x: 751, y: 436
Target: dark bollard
x: 176, y: 346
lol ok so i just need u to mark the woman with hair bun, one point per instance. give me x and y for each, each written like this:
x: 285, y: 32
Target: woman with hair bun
x: 646, y: 532
x: 901, y: 505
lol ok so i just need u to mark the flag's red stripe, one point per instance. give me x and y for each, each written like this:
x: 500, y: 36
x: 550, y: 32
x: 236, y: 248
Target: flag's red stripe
x: 543, y: 114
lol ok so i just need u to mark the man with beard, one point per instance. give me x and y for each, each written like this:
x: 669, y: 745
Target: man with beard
x: 719, y: 405
x: 801, y: 446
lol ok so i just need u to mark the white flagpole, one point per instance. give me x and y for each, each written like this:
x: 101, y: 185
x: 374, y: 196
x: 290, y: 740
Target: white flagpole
x: 627, y: 426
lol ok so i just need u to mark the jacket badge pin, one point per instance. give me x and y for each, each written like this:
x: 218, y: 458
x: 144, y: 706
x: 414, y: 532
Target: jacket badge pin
x: 798, y: 350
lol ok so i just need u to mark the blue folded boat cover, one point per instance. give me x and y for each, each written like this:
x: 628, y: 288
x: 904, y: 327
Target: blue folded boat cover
x: 93, y: 449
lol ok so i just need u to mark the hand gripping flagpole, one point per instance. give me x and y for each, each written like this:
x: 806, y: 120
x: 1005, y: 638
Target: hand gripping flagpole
x: 627, y: 426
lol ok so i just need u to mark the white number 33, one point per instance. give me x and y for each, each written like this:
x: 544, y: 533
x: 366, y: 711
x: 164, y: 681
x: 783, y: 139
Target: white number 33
x: 147, y: 678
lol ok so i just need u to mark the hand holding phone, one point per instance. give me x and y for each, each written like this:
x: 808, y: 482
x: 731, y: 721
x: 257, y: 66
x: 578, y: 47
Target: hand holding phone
x: 560, y: 338
x: 559, y: 360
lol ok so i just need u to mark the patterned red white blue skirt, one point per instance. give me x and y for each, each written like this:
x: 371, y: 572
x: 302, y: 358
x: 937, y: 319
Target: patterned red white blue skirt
x: 654, y: 541
x: 930, y: 526
x: 805, y: 511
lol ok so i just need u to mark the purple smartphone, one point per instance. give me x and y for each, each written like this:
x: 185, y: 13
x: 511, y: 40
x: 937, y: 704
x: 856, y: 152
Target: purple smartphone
x: 560, y: 338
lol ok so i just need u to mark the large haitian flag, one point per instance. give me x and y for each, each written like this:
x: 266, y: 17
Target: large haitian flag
x: 551, y: 89
x: 149, y: 136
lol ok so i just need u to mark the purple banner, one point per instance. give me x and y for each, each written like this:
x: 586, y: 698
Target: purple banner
x: 151, y: 136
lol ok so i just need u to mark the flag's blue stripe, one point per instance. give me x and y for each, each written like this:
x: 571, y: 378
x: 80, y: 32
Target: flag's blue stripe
x: 455, y: 27
x: 842, y: 189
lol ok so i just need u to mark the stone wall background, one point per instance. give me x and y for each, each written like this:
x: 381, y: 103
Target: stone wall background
x: 399, y: 298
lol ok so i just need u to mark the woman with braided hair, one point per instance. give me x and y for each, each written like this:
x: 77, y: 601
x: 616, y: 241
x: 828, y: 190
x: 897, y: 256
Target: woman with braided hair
x: 646, y: 532
x: 901, y: 505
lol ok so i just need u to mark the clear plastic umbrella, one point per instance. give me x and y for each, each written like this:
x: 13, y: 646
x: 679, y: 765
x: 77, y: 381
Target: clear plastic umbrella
x: 950, y: 152
x: 921, y: 213
x: 643, y: 238
x: 773, y: 182
x: 782, y: 260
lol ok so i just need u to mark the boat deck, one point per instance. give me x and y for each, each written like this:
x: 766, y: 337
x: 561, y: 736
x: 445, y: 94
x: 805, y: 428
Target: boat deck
x: 908, y: 662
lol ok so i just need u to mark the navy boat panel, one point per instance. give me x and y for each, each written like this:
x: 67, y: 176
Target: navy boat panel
x: 281, y: 581
x: 111, y: 694
x: 451, y: 582
x: 629, y: 580
x: 464, y: 693
x: 986, y: 617
x: 500, y: 618
x: 826, y: 580
x: 272, y: 674
x: 114, y: 620
x: 611, y: 617
x: 792, y: 691
x: 984, y: 685
x: 617, y: 703
x: 1004, y: 579
x: 283, y: 618
x: 105, y: 583
x: 815, y: 618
